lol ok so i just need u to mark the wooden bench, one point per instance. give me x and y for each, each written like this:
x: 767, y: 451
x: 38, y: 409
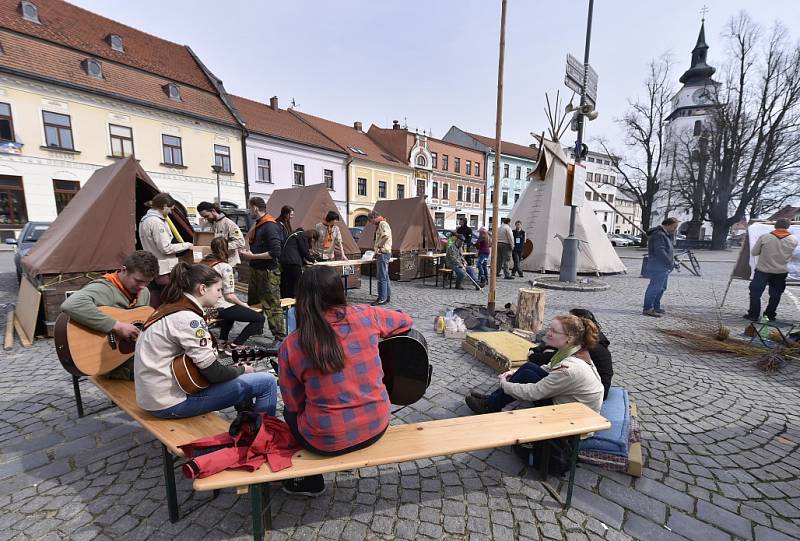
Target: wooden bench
x: 415, y: 441
x: 446, y: 273
x: 170, y: 432
x: 286, y: 303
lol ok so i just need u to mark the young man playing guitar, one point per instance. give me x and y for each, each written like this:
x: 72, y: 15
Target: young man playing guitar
x: 126, y: 288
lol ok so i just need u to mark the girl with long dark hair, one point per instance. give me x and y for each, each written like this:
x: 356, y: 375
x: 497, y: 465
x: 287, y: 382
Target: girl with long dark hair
x: 285, y: 219
x: 330, y: 371
x: 230, y: 308
x: 178, y: 328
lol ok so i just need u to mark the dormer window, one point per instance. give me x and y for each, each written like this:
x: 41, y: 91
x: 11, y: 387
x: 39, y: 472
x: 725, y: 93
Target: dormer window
x: 29, y: 12
x: 421, y: 161
x: 93, y: 68
x: 173, y: 91
x: 116, y: 42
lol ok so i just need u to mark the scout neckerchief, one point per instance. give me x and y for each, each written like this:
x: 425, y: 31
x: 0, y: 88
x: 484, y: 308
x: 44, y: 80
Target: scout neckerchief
x: 251, y: 235
x: 113, y: 277
x: 781, y: 233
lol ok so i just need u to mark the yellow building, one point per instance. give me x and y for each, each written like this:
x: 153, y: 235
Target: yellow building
x: 105, y: 91
x: 372, y: 172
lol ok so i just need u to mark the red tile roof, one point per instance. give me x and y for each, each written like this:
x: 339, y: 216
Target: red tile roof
x: 263, y: 119
x: 70, y: 26
x: 512, y: 149
x: 349, y: 139
x: 65, y: 66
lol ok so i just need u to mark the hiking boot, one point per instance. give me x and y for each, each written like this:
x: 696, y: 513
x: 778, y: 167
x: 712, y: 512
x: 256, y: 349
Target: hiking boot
x: 311, y: 486
x: 478, y: 405
x: 750, y: 318
x: 651, y: 313
x: 459, y: 286
x: 660, y: 310
x: 479, y: 395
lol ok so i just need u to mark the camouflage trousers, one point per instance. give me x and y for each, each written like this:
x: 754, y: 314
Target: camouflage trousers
x: 265, y: 288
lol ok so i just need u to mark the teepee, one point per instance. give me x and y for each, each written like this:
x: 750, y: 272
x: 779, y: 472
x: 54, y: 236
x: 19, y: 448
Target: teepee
x: 545, y: 219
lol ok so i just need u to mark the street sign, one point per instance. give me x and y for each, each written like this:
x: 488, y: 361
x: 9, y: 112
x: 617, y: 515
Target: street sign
x: 574, y: 78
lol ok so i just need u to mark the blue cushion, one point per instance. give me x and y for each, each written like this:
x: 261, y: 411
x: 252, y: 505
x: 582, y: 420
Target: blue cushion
x: 614, y: 440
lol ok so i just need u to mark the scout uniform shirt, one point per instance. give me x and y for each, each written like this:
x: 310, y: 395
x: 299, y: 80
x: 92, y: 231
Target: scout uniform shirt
x: 156, y: 238
x: 172, y: 335
x: 383, y: 238
x: 227, y: 229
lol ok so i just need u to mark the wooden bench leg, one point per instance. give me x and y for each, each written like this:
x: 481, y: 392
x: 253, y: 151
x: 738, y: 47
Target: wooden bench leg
x: 169, y: 483
x: 576, y: 443
x: 76, y: 387
x: 261, y: 510
x: 544, y: 461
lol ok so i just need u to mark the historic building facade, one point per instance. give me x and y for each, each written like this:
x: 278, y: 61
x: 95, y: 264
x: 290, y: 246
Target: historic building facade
x: 78, y: 91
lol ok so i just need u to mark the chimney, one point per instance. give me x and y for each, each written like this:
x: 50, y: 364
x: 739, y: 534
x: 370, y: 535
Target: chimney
x: 357, y: 126
x: 273, y: 103
x: 395, y: 124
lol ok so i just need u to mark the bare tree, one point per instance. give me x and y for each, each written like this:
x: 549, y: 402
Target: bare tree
x: 751, y: 143
x: 640, y: 167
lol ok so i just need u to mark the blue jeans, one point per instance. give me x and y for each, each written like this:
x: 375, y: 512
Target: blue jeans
x: 655, y: 289
x: 483, y: 267
x: 259, y: 385
x: 384, y: 291
x: 461, y: 272
x: 527, y: 373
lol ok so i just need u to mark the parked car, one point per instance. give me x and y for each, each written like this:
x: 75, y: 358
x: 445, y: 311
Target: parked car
x: 30, y: 233
x: 241, y: 217
x: 635, y: 239
x: 356, y: 232
x: 619, y: 240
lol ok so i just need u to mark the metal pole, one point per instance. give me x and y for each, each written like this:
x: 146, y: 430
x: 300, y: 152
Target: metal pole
x: 497, y: 149
x: 569, y: 254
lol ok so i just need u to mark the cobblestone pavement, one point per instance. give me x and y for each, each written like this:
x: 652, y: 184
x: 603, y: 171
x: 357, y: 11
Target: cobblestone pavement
x: 719, y: 437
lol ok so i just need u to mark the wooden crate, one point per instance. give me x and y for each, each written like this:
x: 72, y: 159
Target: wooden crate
x: 405, y: 268
x: 54, y: 288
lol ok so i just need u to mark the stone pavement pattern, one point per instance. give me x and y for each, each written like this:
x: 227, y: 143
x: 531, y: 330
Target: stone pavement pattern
x: 720, y: 441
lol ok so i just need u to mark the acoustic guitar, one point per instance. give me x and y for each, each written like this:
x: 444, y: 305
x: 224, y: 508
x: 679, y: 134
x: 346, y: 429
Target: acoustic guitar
x: 85, y: 352
x: 406, y: 368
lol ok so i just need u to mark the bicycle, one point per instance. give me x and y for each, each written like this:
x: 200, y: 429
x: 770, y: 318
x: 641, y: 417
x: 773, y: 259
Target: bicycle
x: 690, y: 263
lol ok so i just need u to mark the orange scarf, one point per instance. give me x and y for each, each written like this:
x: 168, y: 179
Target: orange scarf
x: 251, y: 235
x: 328, y: 241
x: 781, y: 233
x: 113, y: 277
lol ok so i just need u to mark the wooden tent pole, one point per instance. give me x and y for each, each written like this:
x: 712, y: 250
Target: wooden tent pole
x: 497, y: 149
x: 727, y: 288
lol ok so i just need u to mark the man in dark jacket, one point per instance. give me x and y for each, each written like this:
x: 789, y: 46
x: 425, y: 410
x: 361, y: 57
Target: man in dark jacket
x: 660, y: 262
x: 466, y: 231
x: 266, y: 240
x: 519, y: 244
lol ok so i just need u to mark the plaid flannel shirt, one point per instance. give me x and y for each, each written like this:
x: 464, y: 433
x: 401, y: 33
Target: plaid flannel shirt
x: 341, y: 409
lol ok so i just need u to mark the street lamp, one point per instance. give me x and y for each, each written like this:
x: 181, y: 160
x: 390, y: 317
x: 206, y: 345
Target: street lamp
x: 217, y: 168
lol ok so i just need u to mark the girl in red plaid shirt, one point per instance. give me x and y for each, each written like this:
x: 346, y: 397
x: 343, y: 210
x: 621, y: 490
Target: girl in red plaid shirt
x: 331, y: 376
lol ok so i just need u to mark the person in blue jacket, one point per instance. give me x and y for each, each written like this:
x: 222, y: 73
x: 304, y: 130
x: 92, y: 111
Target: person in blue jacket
x: 660, y: 262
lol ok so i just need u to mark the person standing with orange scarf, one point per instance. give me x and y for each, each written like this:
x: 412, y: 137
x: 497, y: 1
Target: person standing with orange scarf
x: 266, y: 240
x: 774, y: 250
x: 330, y: 237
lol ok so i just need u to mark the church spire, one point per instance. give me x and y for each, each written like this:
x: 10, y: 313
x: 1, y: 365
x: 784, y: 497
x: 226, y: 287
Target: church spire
x: 699, y: 72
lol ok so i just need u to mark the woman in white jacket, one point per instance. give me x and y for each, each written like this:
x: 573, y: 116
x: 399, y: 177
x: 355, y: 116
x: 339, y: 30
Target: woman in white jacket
x: 570, y: 376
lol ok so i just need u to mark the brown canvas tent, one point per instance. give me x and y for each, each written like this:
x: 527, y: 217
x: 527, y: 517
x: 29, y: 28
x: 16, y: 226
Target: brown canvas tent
x: 311, y: 204
x: 413, y: 231
x: 94, y: 233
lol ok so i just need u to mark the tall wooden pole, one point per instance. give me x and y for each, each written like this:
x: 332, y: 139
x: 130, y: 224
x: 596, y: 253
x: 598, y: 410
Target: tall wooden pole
x: 497, y: 149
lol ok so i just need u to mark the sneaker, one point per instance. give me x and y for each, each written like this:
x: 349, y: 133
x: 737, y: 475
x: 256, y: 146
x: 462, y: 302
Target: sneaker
x: 651, y: 313
x: 380, y: 302
x: 459, y: 287
x: 480, y: 395
x: 311, y: 486
x: 771, y: 318
x: 508, y: 277
x: 660, y: 310
x: 478, y: 405
x: 750, y: 318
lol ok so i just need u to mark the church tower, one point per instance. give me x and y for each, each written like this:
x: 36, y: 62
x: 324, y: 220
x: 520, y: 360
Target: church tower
x: 695, y: 99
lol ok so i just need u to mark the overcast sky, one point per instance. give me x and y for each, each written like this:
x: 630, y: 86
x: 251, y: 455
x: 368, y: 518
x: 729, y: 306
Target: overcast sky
x: 434, y: 63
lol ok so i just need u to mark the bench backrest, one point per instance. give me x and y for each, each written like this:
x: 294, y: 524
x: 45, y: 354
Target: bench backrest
x: 429, y: 439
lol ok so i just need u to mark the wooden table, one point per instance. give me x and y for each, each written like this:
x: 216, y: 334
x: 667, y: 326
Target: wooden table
x: 434, y: 259
x: 352, y: 262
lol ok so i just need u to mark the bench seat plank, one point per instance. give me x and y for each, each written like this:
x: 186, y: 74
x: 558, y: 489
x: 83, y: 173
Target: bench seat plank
x: 170, y: 432
x: 429, y: 439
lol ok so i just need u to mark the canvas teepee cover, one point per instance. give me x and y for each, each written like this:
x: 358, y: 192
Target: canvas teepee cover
x: 545, y: 219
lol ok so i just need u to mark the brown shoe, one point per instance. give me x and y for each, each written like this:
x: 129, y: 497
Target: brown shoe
x: 478, y: 405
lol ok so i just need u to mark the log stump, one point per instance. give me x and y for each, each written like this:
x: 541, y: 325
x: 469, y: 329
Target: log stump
x: 530, y: 309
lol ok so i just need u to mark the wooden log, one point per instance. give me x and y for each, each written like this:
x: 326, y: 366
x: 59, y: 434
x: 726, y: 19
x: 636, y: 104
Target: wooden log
x: 8, y: 343
x: 530, y: 309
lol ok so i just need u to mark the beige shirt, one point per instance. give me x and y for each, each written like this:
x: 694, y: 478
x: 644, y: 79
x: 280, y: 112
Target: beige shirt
x: 227, y: 229
x: 773, y: 253
x: 383, y: 238
x: 156, y: 238
x: 170, y: 336
x: 506, y: 235
x: 336, y: 249
x: 228, y: 284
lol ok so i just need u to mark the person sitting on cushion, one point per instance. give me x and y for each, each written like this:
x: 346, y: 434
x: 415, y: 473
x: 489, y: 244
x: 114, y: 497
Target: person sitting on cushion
x: 569, y: 376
